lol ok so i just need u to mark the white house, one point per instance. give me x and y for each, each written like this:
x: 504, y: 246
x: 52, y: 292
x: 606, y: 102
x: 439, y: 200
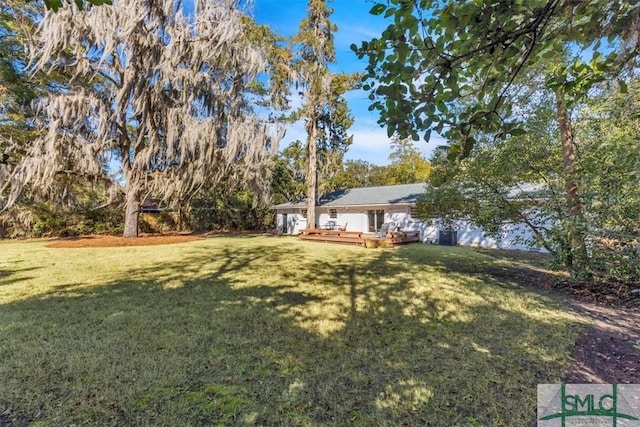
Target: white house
x: 355, y: 209
x: 366, y: 209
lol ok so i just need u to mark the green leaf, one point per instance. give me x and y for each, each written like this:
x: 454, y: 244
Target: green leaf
x: 53, y: 4
x: 623, y: 86
x: 454, y: 152
x: 377, y: 9
x: 57, y: 4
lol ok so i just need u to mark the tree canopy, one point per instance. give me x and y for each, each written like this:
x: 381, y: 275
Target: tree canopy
x: 57, y: 4
x: 454, y: 67
x: 18, y: 127
x: 448, y: 66
x: 168, y: 101
x: 520, y: 180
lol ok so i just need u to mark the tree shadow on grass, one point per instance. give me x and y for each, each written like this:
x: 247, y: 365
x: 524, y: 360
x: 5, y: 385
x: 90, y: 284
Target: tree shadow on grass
x: 10, y: 276
x: 394, y: 337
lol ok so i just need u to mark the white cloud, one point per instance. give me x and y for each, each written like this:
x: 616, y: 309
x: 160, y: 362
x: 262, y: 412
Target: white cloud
x: 356, y: 33
x: 294, y: 132
x: 373, y: 145
x: 370, y: 142
x: 370, y: 145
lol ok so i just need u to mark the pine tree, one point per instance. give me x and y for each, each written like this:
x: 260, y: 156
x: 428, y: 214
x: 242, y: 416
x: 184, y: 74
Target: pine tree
x: 325, y: 112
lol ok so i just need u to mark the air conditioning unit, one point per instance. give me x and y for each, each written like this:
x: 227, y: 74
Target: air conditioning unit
x: 448, y: 238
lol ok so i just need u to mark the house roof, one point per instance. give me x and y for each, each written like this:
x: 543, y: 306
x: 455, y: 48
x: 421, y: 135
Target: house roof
x: 367, y: 196
x: 527, y: 190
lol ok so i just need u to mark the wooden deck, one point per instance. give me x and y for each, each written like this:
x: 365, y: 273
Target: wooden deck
x: 359, y: 238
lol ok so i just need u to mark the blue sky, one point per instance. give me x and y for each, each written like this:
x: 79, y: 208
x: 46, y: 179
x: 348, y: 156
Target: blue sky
x: 355, y: 24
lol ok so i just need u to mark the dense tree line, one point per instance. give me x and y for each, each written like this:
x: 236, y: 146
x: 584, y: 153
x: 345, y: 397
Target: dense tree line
x: 406, y: 166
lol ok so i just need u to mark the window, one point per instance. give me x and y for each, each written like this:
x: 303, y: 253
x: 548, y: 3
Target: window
x: 376, y: 219
x: 333, y: 213
x: 414, y: 212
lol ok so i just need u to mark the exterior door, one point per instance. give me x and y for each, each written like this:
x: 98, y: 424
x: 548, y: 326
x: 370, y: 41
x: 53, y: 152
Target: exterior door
x: 375, y: 219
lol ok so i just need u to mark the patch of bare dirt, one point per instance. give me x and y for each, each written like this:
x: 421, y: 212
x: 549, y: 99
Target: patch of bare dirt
x: 610, y: 351
x: 115, y: 241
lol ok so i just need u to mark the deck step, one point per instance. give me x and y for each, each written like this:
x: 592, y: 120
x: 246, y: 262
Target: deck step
x: 359, y: 238
x: 336, y: 239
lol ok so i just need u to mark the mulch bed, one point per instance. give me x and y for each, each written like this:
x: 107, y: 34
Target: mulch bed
x: 116, y: 241
x: 609, y: 351
x: 142, y: 240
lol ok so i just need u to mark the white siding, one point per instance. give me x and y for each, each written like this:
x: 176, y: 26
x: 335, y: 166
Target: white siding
x: 510, y: 236
x: 354, y: 219
x: 429, y: 233
x: 323, y: 218
x: 279, y: 222
x: 398, y: 215
x: 295, y: 221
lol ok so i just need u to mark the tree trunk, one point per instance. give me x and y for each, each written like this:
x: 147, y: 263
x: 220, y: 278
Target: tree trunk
x: 132, y: 209
x: 180, y: 217
x: 312, y: 173
x: 575, y: 253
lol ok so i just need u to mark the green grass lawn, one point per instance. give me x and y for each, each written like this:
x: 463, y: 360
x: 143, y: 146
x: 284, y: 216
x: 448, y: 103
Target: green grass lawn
x: 259, y: 330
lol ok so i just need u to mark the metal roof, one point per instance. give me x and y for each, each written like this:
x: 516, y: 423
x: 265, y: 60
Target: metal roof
x: 367, y: 196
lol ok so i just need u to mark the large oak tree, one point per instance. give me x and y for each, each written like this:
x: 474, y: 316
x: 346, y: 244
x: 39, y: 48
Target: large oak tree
x: 169, y: 101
